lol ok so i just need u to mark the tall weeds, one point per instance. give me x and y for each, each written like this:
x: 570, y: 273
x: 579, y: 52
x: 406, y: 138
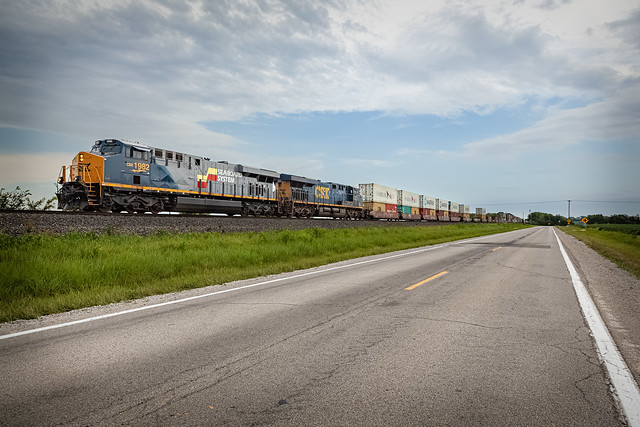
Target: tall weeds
x: 42, y: 274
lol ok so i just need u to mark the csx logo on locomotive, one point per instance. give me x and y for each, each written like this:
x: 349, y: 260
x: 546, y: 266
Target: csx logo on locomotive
x: 322, y: 193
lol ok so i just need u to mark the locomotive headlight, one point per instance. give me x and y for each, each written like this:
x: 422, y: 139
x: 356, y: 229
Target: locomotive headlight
x: 81, y: 158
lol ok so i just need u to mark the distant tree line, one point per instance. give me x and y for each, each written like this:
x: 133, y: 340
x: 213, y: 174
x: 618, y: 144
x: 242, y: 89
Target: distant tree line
x: 541, y: 218
x: 613, y: 219
x: 20, y: 199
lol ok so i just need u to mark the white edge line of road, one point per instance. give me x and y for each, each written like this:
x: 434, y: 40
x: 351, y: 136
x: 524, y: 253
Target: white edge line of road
x: 149, y: 307
x: 622, y: 381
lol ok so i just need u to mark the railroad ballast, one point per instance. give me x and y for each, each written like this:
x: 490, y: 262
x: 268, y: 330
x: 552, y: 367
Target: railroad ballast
x: 118, y: 175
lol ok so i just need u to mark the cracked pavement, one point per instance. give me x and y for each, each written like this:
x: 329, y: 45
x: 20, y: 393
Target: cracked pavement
x: 499, y: 340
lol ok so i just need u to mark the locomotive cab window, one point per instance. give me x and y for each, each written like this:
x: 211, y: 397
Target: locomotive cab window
x: 107, y: 148
x: 138, y: 154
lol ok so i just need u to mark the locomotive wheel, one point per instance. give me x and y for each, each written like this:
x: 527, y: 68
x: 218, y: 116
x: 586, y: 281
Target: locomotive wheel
x: 116, y: 208
x: 156, y: 208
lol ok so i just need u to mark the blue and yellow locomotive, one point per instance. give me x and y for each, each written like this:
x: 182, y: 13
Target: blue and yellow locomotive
x: 119, y: 175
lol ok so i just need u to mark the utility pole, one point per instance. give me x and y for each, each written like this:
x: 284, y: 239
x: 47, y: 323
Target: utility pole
x: 569, y: 212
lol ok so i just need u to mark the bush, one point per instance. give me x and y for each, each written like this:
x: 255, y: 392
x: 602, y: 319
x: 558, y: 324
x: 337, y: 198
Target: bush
x: 19, y: 199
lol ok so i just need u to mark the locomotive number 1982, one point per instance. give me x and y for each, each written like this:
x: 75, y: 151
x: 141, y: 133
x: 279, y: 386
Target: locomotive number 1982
x: 139, y: 167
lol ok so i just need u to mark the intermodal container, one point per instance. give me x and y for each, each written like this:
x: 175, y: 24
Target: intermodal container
x: 379, y: 194
x: 381, y: 210
x: 407, y: 198
x: 464, y: 212
x: 454, y: 213
x: 375, y: 207
x: 406, y: 202
x: 428, y: 214
x: 428, y: 208
x: 481, y: 211
x: 404, y: 209
x: 461, y: 211
x: 467, y: 213
x: 443, y: 210
x: 427, y: 202
x: 409, y: 213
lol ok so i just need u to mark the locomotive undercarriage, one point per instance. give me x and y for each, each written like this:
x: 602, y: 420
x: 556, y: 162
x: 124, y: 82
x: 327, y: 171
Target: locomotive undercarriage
x: 303, y: 210
x: 155, y: 203
x: 113, y: 201
x: 259, y: 208
x: 78, y: 196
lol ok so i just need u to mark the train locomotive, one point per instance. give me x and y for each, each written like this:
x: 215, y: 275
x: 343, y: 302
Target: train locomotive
x: 118, y: 175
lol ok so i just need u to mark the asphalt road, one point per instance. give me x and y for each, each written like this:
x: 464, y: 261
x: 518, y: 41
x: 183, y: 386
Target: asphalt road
x: 497, y: 340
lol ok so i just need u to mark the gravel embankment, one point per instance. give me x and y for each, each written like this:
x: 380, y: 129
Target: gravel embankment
x: 23, y: 222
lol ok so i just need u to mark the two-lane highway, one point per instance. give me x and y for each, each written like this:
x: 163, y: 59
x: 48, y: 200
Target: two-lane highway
x: 495, y: 337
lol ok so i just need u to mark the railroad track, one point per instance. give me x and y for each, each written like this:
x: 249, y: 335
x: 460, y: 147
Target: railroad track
x: 58, y: 222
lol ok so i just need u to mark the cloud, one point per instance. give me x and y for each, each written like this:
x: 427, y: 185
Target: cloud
x: 552, y: 4
x: 610, y: 121
x: 369, y: 163
x: 160, y: 68
x: 628, y: 29
x: 158, y: 71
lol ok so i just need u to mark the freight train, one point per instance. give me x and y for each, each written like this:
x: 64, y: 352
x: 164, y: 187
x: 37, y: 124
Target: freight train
x: 117, y: 175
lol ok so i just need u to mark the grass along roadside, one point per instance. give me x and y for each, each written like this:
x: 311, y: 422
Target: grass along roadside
x: 623, y: 248
x: 43, y: 274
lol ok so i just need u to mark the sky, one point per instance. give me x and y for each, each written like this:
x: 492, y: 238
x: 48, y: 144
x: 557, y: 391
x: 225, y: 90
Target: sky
x: 510, y: 105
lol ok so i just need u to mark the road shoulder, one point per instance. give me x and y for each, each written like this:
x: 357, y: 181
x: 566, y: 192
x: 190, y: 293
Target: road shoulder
x: 616, y: 294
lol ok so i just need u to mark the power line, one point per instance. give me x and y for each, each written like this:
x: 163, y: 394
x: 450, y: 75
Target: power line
x: 560, y: 201
x: 522, y: 203
x: 606, y: 201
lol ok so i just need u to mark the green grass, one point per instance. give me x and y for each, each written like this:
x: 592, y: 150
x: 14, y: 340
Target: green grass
x: 42, y: 274
x: 633, y: 229
x: 621, y: 247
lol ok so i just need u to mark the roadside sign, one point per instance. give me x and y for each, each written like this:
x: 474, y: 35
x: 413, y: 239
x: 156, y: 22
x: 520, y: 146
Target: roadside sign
x: 585, y: 220
x: 568, y: 222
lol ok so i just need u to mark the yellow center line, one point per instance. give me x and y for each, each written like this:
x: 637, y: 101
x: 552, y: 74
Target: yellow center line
x: 442, y: 273
x: 499, y: 247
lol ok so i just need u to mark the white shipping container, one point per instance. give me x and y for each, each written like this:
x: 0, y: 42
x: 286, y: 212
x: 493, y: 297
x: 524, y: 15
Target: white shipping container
x: 377, y: 193
x: 461, y: 208
x: 481, y: 211
x: 443, y: 205
x: 467, y: 209
x: 427, y: 202
x: 453, y: 207
x: 407, y: 198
